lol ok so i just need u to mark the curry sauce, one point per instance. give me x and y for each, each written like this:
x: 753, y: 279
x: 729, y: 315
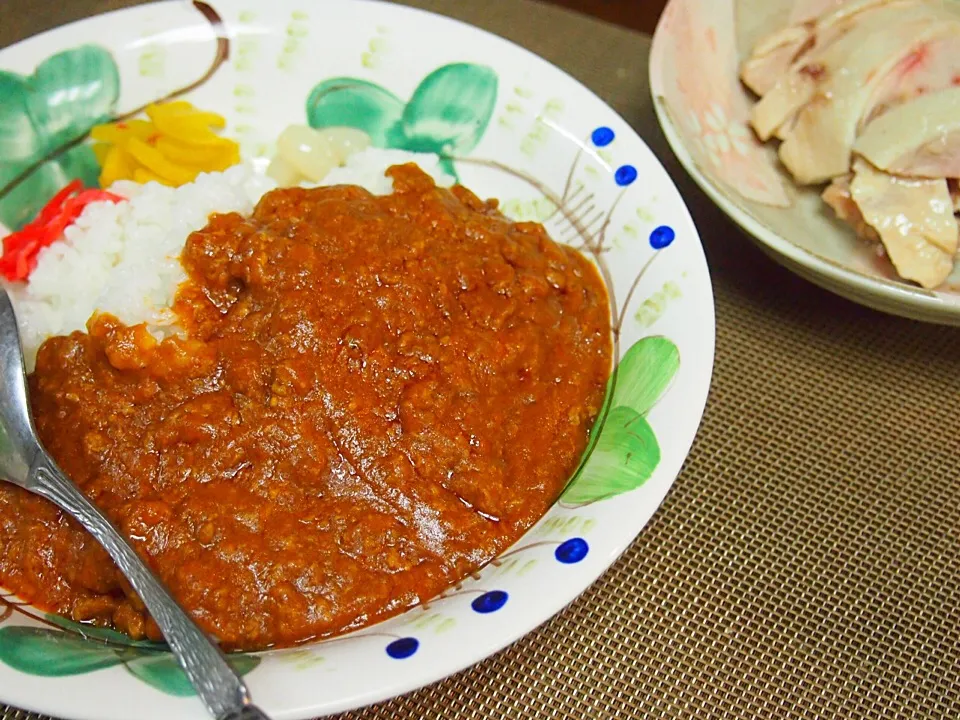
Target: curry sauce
x: 372, y: 398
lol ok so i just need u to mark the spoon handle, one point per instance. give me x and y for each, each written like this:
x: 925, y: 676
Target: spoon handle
x: 220, y: 689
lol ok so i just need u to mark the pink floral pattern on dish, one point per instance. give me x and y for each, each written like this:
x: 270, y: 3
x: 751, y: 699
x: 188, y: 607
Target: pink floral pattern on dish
x: 696, y: 75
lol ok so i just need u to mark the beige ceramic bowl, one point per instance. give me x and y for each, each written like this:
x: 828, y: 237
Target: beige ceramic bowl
x: 703, y: 110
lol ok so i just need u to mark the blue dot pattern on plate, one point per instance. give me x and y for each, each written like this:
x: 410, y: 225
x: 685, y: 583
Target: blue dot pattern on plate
x: 602, y: 136
x: 662, y: 237
x: 489, y: 602
x: 572, y: 551
x: 625, y: 175
x: 403, y: 648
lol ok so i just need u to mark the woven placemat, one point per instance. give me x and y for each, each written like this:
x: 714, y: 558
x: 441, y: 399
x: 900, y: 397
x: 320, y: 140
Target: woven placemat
x: 805, y: 563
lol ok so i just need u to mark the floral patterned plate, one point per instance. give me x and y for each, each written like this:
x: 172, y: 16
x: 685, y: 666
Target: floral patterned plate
x: 703, y: 110
x: 510, y: 126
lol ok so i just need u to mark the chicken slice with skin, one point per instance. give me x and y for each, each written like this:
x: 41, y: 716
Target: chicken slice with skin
x: 819, y: 145
x: 839, y: 198
x: 914, y: 219
x: 803, y: 79
x: 773, y: 58
x: 814, y: 25
x: 920, y: 139
x: 930, y: 68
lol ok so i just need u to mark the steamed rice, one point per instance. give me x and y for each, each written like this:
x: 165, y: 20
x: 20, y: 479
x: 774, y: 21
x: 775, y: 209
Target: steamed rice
x: 123, y: 258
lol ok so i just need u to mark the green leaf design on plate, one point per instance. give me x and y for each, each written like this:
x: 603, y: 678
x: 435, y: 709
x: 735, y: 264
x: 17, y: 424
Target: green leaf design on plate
x: 645, y: 372
x: 72, y: 91
x: 623, y: 450
x: 447, y: 114
x: 18, y: 140
x: 349, y: 102
x: 53, y: 653
x: 80, y: 163
x: 21, y: 204
x: 79, y: 649
x: 450, y: 110
x: 624, y: 458
x: 163, y: 672
x: 69, y: 93
x: 106, y: 635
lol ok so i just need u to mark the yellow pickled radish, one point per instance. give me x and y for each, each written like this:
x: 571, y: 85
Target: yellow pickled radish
x: 121, y: 132
x: 143, y: 176
x: 100, y: 151
x: 154, y: 161
x: 189, y: 128
x: 209, y: 119
x: 308, y: 151
x: 183, y: 111
x: 196, y: 155
x: 283, y: 172
x: 118, y: 165
x: 191, y: 134
x: 170, y: 106
x: 173, y: 146
x: 228, y: 158
x: 346, y: 141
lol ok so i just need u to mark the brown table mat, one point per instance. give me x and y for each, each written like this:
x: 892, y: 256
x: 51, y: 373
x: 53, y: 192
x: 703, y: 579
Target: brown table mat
x: 805, y: 563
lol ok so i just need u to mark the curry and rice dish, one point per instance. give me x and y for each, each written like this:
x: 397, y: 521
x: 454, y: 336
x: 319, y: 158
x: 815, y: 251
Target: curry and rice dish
x: 371, y: 396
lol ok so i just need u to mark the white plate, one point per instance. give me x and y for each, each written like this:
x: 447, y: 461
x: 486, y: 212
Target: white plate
x: 703, y: 110
x: 545, y: 133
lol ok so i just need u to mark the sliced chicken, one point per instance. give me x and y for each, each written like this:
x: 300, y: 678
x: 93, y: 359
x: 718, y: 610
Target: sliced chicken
x: 815, y: 24
x: 808, y: 10
x: 774, y: 57
x: 920, y: 139
x: 838, y: 196
x: 799, y: 85
x: 819, y: 145
x: 914, y: 219
x: 888, y: 71
x: 930, y: 68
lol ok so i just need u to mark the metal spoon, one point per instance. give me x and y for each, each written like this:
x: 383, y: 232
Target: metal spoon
x: 24, y: 462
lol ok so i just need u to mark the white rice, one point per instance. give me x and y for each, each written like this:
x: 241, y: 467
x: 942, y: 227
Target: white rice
x: 123, y: 258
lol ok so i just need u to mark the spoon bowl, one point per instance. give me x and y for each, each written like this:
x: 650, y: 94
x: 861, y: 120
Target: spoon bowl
x: 19, y: 446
